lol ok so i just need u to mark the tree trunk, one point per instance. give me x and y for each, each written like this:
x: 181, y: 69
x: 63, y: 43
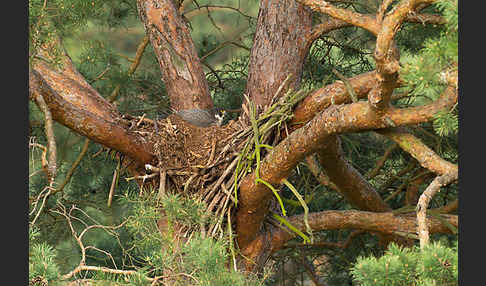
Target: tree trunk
x: 179, y: 63
x: 281, y: 43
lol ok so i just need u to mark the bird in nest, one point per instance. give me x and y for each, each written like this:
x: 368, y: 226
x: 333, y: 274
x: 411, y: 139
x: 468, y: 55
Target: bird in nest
x: 202, y: 117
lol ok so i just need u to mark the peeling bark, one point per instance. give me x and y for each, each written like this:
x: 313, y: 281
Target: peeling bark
x: 110, y: 133
x: 280, y: 46
x: 385, y: 223
x: 179, y: 63
x: 426, y: 157
x: 351, y: 184
x: 277, y: 165
x: 336, y: 92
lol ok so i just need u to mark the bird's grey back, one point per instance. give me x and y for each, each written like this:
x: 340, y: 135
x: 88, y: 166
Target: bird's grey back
x: 199, y: 117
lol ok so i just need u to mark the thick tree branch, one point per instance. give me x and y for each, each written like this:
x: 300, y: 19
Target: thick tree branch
x: 384, y: 27
x: 386, y: 53
x: 109, y: 133
x: 426, y: 157
x: 351, y: 184
x: 336, y: 93
x: 180, y: 65
x: 332, y: 24
x: 385, y: 223
x: 359, y: 116
x: 72, y: 87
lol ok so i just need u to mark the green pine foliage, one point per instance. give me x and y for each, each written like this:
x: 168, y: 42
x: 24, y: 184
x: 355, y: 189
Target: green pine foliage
x: 199, y: 261
x: 436, y: 264
x: 424, y: 72
x: 96, y: 34
x: 41, y: 258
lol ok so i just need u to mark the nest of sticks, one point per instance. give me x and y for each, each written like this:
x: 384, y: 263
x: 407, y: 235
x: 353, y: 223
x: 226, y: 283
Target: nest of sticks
x: 207, y: 164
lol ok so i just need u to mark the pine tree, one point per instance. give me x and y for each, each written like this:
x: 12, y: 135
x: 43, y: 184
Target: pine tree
x: 319, y: 202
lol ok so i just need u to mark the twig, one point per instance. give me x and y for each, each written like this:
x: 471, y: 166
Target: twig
x: 348, y: 86
x: 162, y: 179
x: 140, y: 120
x: 49, y: 130
x: 43, y: 203
x: 101, y: 74
x: 73, y: 167
x: 143, y: 177
x: 133, y: 66
x: 432, y: 189
x: 113, y: 183
x: 96, y: 268
x: 381, y: 162
x: 213, y: 148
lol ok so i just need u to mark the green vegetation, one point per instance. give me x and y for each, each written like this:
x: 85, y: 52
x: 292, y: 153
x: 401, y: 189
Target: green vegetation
x: 102, y: 38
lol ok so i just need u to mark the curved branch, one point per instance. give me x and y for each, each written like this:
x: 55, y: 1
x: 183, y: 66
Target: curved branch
x: 351, y: 184
x: 423, y: 229
x: 109, y: 133
x: 384, y: 27
x: 365, y: 21
x: 336, y: 92
x: 72, y: 87
x: 332, y: 24
x: 277, y: 165
x: 52, y: 161
x: 206, y: 8
x: 385, y: 223
x: 426, y: 157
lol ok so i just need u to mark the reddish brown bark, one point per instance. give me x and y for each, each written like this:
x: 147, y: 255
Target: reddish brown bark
x: 385, y: 27
x: 107, y: 132
x: 385, y: 223
x: 280, y: 46
x: 179, y: 63
x: 424, y: 155
x: 72, y: 87
x: 351, y: 184
x: 360, y: 116
x: 367, y: 22
x: 323, y: 97
x: 412, y: 193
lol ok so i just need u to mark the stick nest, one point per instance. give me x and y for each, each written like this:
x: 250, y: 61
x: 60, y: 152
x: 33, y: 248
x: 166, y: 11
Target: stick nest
x: 203, y: 163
